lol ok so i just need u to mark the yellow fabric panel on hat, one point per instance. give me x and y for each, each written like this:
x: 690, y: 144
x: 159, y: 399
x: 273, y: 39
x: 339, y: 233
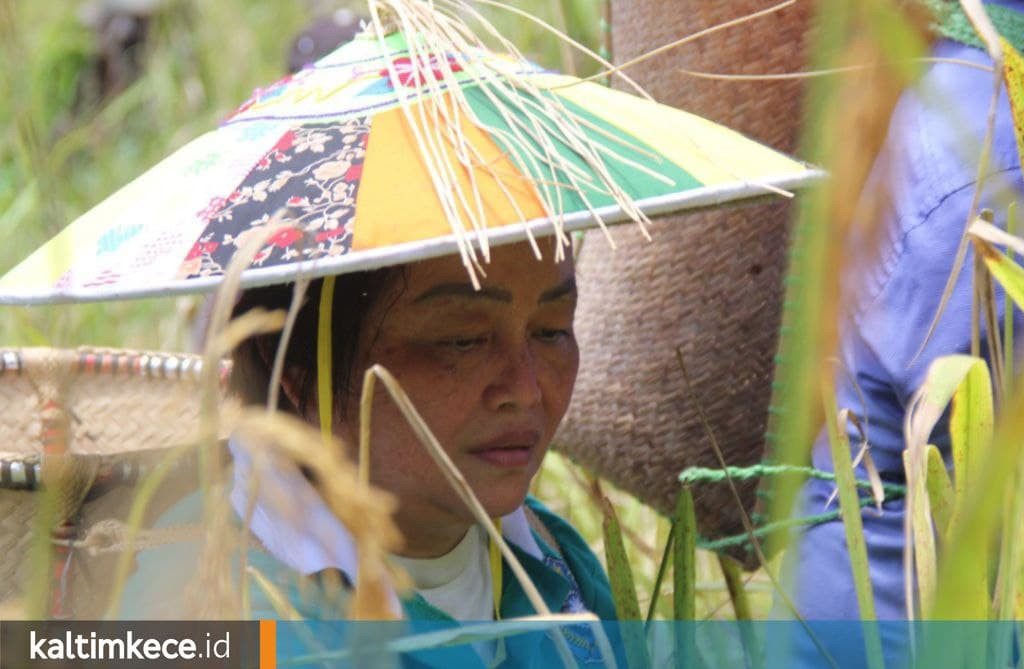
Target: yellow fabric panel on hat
x: 394, y: 165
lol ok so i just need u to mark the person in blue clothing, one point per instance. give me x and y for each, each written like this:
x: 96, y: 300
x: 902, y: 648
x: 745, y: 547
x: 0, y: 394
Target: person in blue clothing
x: 928, y: 168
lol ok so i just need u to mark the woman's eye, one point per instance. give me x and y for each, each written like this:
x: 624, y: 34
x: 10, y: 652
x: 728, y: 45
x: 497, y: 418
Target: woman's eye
x: 464, y: 344
x: 552, y: 334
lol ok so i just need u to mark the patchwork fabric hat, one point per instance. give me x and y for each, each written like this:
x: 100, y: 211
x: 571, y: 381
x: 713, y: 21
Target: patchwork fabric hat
x: 412, y: 141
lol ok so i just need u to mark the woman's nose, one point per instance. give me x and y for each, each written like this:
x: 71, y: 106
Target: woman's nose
x: 517, y: 383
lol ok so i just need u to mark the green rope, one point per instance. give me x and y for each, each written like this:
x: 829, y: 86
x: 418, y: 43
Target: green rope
x: 692, y: 475
x: 706, y: 475
x: 740, y: 539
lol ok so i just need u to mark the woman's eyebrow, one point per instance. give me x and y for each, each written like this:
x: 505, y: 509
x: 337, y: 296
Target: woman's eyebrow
x: 464, y: 290
x: 565, y: 289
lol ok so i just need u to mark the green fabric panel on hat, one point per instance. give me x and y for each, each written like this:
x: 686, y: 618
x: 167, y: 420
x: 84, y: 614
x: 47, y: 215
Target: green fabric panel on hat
x: 635, y: 182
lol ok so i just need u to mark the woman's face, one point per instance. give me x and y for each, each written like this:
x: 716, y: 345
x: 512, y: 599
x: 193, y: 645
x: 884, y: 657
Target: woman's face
x: 490, y: 371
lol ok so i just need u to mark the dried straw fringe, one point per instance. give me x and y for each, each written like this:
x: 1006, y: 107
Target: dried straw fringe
x: 538, y: 123
x: 618, y: 70
x: 435, y: 31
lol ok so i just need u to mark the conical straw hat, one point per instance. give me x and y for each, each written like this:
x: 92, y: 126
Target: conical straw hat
x: 412, y: 141
x: 88, y: 422
x: 709, y: 286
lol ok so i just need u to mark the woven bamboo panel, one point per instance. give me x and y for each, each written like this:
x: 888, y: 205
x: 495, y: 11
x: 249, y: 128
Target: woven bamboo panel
x: 87, y: 423
x: 117, y: 401
x: 709, y: 285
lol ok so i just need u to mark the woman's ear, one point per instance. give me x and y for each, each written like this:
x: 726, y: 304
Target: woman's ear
x: 292, y: 383
x: 292, y: 378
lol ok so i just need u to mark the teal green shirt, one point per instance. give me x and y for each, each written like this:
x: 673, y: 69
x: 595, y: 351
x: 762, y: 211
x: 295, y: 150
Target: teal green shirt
x: 158, y: 590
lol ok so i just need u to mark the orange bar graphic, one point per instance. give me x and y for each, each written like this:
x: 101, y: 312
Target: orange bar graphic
x: 268, y: 644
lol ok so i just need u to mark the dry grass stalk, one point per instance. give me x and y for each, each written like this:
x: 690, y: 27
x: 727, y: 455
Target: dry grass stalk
x: 365, y: 512
x: 140, y: 502
x: 284, y: 608
x: 274, y: 387
x: 862, y: 108
x: 610, y: 69
x: 690, y: 38
x: 986, y: 231
x: 538, y: 124
x: 365, y: 418
x: 917, y: 531
x: 593, y: 487
x: 221, y: 598
x: 846, y: 418
x: 832, y: 71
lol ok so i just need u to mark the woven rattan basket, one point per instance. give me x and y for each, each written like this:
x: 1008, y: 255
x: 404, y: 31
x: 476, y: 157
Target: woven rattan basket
x: 87, y: 422
x: 710, y: 285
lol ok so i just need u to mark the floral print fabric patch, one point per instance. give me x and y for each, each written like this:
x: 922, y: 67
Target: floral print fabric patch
x: 309, y: 179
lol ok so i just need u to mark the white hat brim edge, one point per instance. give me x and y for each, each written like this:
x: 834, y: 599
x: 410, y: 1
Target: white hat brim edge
x: 679, y: 203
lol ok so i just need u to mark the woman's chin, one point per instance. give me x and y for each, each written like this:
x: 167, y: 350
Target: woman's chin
x: 501, y: 500
x: 501, y: 490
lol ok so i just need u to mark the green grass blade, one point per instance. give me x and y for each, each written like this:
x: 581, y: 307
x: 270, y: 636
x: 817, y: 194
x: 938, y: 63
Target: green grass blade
x: 849, y: 506
x: 1011, y: 560
x: 940, y: 491
x: 1011, y: 228
x: 926, y: 408
x: 983, y: 511
x: 627, y: 605
x: 685, y: 557
x: 734, y: 582
x: 1015, y: 589
x: 662, y: 568
x: 684, y: 567
x: 741, y: 607
x: 980, y: 507
x: 1009, y: 274
x: 970, y: 427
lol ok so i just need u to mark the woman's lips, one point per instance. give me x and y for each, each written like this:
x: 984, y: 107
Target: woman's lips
x: 506, y: 457
x: 511, y: 449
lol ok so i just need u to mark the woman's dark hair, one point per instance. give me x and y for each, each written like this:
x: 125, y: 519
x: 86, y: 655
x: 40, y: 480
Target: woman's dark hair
x: 253, y: 359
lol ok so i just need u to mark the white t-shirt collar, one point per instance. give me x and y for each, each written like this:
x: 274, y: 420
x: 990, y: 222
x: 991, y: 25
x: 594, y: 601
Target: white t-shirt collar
x: 294, y: 524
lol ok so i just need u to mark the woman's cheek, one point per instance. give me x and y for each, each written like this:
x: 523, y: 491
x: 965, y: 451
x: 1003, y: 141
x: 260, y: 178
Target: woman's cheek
x: 561, y: 364
x: 565, y: 358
